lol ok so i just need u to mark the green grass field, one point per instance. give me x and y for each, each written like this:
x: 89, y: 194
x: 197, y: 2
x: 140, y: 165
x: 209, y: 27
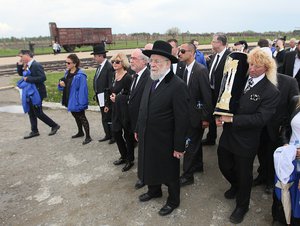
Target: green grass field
x: 138, y: 43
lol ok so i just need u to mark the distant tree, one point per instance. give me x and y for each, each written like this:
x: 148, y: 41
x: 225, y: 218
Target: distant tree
x: 173, y: 31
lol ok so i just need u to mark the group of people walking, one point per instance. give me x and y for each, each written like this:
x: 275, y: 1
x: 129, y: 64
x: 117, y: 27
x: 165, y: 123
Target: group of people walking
x: 162, y: 99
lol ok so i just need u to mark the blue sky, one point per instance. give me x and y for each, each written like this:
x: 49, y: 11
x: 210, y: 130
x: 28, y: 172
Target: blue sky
x: 30, y: 18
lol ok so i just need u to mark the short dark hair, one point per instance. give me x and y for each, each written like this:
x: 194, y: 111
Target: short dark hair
x: 74, y: 59
x: 26, y: 52
x: 242, y: 42
x: 173, y: 40
x: 263, y: 43
x: 222, y: 38
x: 192, y: 47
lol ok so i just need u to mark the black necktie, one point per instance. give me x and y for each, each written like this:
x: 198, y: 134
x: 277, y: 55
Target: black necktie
x: 249, y: 84
x: 185, y: 74
x: 135, y: 76
x: 153, y: 87
x: 212, y: 75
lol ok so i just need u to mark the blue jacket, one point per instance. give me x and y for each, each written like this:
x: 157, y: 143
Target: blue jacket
x: 29, y: 94
x: 294, y: 191
x: 78, y: 97
x: 199, y: 57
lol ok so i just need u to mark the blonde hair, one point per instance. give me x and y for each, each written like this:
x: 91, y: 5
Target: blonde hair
x: 123, y: 58
x: 259, y: 57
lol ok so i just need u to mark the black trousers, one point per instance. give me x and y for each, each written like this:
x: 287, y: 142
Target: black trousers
x: 193, y: 158
x: 212, y: 129
x: 106, y: 122
x: 125, y: 142
x: 238, y: 171
x: 265, y: 153
x: 173, y: 199
x: 35, y: 113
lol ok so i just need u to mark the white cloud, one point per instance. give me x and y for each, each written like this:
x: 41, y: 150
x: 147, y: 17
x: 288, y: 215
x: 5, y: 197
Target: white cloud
x: 129, y: 16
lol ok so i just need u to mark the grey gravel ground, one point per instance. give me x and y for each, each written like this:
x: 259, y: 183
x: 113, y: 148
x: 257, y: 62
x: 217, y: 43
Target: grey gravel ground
x: 55, y: 180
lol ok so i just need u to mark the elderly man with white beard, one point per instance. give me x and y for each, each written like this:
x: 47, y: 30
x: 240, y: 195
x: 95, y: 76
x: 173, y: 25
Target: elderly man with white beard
x: 161, y: 128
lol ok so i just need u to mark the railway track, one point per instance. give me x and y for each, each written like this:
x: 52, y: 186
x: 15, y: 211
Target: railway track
x: 50, y: 66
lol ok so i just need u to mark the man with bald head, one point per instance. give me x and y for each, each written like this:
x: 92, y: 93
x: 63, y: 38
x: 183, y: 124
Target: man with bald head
x: 200, y: 111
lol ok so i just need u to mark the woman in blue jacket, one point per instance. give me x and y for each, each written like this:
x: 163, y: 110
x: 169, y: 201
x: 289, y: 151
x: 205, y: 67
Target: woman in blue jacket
x: 75, y: 95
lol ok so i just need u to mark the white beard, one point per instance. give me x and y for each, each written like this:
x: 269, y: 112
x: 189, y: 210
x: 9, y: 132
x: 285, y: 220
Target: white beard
x: 158, y: 74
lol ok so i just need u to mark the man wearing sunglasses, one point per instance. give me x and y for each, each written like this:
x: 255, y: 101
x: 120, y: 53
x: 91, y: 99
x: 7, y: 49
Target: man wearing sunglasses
x: 102, y: 83
x: 200, y: 111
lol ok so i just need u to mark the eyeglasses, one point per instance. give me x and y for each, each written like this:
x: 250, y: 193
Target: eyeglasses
x: 68, y: 63
x: 116, y: 61
x: 156, y: 61
x: 183, y: 51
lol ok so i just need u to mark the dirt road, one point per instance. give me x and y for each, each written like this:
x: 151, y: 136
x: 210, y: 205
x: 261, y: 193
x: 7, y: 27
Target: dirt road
x: 55, y: 180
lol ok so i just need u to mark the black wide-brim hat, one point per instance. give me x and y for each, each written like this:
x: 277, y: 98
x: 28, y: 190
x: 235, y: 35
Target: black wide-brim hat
x: 161, y: 48
x: 99, y: 49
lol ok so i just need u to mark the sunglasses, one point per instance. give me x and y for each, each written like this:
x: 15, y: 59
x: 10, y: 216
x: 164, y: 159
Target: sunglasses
x: 116, y: 61
x: 183, y: 51
x: 68, y: 63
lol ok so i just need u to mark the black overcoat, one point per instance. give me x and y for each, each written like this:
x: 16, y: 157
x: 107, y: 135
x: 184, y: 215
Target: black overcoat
x: 162, y: 125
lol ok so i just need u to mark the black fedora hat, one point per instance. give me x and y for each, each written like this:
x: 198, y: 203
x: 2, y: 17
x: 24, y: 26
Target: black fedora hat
x: 161, y: 48
x: 98, y: 49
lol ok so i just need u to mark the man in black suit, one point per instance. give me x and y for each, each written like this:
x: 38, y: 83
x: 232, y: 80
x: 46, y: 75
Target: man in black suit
x: 35, y: 75
x: 216, y: 68
x: 291, y: 64
x: 161, y: 128
x: 138, y: 63
x: 102, y: 83
x: 240, y: 138
x: 178, y: 68
x: 269, y: 140
x: 279, y: 54
x: 200, y: 112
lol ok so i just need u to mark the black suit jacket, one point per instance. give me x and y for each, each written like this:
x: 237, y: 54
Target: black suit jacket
x: 219, y: 73
x: 37, y: 77
x: 279, y: 59
x: 288, y: 88
x: 180, y: 69
x: 162, y: 126
x: 256, y: 107
x: 104, y: 80
x: 288, y: 66
x: 135, y: 98
x: 199, y: 91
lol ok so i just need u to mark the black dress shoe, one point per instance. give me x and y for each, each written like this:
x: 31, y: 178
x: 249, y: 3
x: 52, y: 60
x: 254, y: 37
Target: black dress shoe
x: 119, y: 162
x: 208, y: 142
x: 237, y: 215
x: 165, y: 210
x: 112, y: 141
x: 186, y: 181
x: 230, y: 193
x: 146, y: 197
x: 139, y: 184
x: 87, y: 140
x: 78, y: 135
x: 258, y: 181
x: 127, y: 166
x: 269, y: 189
x: 198, y: 169
x: 104, y: 139
x: 32, y: 134
x: 54, y: 130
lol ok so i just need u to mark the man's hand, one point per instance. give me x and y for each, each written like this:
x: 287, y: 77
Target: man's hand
x: 136, y: 137
x: 205, y: 124
x: 178, y: 154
